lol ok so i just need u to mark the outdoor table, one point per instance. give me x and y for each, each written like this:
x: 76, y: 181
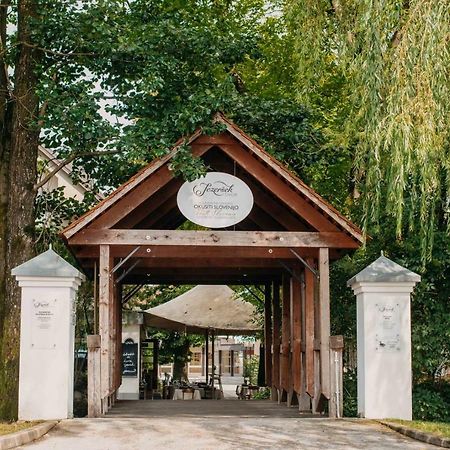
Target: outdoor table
x: 178, y: 395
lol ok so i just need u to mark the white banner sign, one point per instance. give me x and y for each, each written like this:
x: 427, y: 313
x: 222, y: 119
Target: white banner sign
x: 218, y: 200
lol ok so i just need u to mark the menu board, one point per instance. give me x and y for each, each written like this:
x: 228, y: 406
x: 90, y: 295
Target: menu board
x: 129, y: 358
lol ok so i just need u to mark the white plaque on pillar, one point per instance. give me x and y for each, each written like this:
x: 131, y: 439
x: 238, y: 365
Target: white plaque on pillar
x: 387, y: 334
x: 43, y: 324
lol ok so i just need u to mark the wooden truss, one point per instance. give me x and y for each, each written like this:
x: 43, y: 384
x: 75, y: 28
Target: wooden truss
x: 285, y: 244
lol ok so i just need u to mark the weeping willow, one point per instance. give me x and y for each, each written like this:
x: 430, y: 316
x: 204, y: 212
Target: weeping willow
x: 395, y: 59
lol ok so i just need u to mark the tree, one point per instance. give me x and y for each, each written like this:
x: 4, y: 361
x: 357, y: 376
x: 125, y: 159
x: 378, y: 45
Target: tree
x: 392, y: 61
x: 18, y: 153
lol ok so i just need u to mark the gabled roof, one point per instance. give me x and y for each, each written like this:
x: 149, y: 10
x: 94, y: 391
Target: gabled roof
x: 256, y: 150
x: 384, y: 270
x: 47, y: 264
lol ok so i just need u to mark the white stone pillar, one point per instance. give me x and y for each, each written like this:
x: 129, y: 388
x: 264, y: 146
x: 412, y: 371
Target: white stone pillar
x: 131, y: 332
x: 384, y: 339
x: 47, y: 333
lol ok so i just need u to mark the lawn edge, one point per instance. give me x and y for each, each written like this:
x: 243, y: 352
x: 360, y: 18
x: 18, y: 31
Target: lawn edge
x: 422, y: 436
x: 23, y: 437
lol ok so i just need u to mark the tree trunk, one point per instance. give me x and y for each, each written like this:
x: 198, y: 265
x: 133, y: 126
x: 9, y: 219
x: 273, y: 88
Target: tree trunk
x: 19, y: 173
x: 180, y: 362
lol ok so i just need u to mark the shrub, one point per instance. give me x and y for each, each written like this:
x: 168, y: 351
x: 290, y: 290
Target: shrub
x: 262, y: 394
x: 429, y: 405
x: 350, y: 393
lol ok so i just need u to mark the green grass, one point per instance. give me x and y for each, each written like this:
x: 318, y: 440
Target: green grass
x: 441, y: 429
x: 12, y: 427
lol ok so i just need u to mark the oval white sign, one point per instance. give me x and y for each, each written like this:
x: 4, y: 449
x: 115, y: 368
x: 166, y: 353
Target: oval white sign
x: 217, y: 200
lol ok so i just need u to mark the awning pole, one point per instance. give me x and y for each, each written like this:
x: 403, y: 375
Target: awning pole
x: 213, y: 362
x: 206, y: 354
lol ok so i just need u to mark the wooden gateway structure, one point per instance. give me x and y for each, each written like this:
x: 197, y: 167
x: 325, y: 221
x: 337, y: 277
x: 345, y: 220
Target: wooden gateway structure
x: 285, y: 244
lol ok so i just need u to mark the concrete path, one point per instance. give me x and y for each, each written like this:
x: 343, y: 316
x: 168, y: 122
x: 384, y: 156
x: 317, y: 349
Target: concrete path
x: 185, y: 430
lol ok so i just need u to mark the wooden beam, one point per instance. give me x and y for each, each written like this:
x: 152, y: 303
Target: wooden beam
x: 105, y: 305
x: 150, y: 206
x: 324, y: 317
x: 94, y: 376
x: 128, y: 203
x: 284, y: 173
x: 193, y: 254
x: 286, y: 217
x: 285, y: 339
x: 291, y: 198
x: 268, y: 239
x: 309, y: 330
x: 199, y: 279
x: 125, y: 188
x: 296, y: 332
x: 141, y: 192
x: 159, y: 215
x: 217, y: 139
x: 268, y: 333
x: 276, y: 340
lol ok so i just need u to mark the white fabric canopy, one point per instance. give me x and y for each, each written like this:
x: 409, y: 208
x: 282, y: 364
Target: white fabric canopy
x: 205, y: 307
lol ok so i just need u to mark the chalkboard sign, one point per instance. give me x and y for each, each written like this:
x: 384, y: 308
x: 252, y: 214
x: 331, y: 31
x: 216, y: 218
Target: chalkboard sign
x: 129, y: 358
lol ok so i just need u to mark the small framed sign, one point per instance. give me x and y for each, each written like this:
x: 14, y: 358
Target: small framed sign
x: 387, y: 331
x: 43, y: 320
x: 217, y: 200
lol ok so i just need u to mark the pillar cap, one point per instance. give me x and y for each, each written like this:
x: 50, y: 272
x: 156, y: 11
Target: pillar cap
x: 384, y: 270
x: 47, y: 264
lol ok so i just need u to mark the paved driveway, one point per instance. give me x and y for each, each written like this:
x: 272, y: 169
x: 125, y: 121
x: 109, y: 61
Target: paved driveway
x: 182, y: 426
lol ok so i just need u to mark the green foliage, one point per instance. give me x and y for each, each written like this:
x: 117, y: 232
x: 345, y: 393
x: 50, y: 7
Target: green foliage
x: 430, y: 307
x: 429, y: 404
x: 158, y: 69
x: 350, y: 400
x: 251, y: 366
x: 175, y: 346
x: 289, y: 131
x: 53, y: 211
x: 389, y: 61
x: 262, y: 394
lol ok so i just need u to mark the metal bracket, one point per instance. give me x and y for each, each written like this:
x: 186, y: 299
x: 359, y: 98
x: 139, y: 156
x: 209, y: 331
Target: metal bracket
x: 314, y: 271
x: 119, y: 279
x: 253, y: 294
x: 132, y: 293
x: 123, y: 261
x: 298, y: 278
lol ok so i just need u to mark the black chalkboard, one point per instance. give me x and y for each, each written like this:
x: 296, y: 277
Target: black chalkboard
x: 129, y: 359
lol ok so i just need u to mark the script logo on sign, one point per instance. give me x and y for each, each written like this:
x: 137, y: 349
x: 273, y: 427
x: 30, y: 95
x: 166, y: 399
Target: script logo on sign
x: 217, y: 200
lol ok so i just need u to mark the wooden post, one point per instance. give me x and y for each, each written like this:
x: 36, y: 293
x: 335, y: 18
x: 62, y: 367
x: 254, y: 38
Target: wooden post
x: 309, y: 329
x: 94, y: 376
x: 118, y: 338
x: 232, y: 363
x: 285, y: 341
x: 268, y: 334
x: 336, y: 404
x: 206, y: 355
x: 276, y: 340
x: 296, y: 331
x: 105, y: 306
x: 213, y: 369
x: 95, y: 297
x: 324, y: 316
